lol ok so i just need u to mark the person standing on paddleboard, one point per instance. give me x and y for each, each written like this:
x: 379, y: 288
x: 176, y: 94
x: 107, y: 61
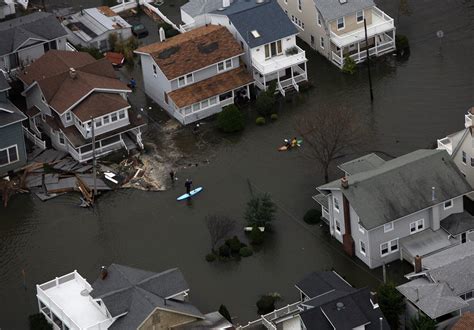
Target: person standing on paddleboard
x: 188, y: 185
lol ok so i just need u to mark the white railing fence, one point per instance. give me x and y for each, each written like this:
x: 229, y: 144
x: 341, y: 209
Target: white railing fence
x: 33, y: 138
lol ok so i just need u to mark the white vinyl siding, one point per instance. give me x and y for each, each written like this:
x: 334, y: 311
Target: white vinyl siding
x: 388, y: 227
x: 417, y: 226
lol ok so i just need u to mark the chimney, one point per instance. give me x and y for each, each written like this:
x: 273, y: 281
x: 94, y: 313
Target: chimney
x: 225, y: 3
x: 72, y: 73
x: 433, y: 194
x: 161, y: 31
x: 103, y: 272
x: 344, y: 182
x: 373, y: 298
x: 418, y: 264
x: 381, y: 323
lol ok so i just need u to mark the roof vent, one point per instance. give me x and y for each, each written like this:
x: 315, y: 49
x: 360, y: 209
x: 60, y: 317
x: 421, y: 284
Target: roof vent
x: 340, y: 306
x: 72, y: 73
x: 342, y: 1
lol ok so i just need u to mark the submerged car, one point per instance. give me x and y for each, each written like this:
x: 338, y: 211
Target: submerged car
x: 139, y: 30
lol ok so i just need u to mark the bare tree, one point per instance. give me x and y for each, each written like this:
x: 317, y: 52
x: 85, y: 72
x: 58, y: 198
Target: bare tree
x: 219, y: 228
x: 329, y: 133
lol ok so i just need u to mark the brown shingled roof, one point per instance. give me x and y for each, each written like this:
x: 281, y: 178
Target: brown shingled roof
x: 99, y: 104
x: 207, y: 88
x: 466, y: 322
x: 105, y: 10
x: 61, y: 91
x: 193, y: 50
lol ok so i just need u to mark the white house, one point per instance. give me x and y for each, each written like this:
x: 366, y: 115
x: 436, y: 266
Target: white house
x: 335, y: 28
x: 26, y: 38
x: 92, y: 27
x: 264, y: 32
x: 195, y: 74
x: 397, y: 209
x: 68, y: 92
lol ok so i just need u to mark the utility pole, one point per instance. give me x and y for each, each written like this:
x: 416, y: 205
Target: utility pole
x: 384, y: 273
x: 368, y: 61
x: 94, y: 163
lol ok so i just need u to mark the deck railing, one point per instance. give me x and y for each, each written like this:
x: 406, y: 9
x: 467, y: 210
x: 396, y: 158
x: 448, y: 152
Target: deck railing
x: 279, y: 62
x: 33, y: 138
x: 267, y: 319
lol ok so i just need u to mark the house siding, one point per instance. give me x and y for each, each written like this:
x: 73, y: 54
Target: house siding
x: 13, y: 135
x: 350, y: 22
x: 35, y: 97
x: 155, y: 85
x: 163, y: 320
x: 467, y: 145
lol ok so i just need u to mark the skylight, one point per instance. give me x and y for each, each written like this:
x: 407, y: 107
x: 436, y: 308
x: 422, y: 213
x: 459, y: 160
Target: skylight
x: 255, y: 34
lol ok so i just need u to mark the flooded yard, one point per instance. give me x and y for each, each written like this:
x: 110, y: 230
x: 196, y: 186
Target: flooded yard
x: 416, y: 101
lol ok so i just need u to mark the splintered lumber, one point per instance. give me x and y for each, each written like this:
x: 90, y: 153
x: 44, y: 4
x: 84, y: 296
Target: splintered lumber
x: 85, y: 190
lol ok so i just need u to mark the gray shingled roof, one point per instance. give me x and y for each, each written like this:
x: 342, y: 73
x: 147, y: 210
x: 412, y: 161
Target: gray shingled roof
x: 458, y: 223
x: 39, y: 25
x: 402, y: 186
x: 138, y: 293
x: 333, y: 9
x: 362, y: 164
x: 318, y: 283
x: 434, y: 299
x: 268, y: 19
x: 11, y: 115
x: 198, y: 7
x: 449, y: 255
x: 4, y: 85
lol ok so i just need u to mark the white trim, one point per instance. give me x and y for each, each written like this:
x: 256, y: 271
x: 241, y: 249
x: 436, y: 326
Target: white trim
x: 187, y: 80
x: 416, y: 223
x: 389, y: 247
x: 300, y: 5
x: 363, y: 16
x: 9, y: 162
x: 364, y: 253
x: 336, y: 222
x: 225, y: 65
x: 361, y: 229
x: 450, y: 206
x: 385, y: 229
x: 321, y: 42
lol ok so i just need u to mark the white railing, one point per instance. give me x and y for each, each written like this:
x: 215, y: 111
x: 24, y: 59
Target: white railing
x: 445, y: 144
x: 337, y: 59
x: 186, y: 27
x: 33, y: 138
x: 267, y: 319
x: 468, y: 120
x: 70, y: 47
x: 325, y: 213
x: 384, y: 24
x: 146, y: 4
x: 279, y: 62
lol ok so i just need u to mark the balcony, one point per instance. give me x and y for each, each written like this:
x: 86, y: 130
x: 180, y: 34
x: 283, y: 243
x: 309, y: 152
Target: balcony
x: 445, y: 144
x: 381, y: 23
x: 279, y: 62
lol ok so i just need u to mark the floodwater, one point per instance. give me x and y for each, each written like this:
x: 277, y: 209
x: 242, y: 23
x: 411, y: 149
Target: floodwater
x: 416, y: 102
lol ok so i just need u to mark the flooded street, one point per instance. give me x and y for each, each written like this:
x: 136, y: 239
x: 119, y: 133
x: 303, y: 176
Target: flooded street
x: 416, y: 102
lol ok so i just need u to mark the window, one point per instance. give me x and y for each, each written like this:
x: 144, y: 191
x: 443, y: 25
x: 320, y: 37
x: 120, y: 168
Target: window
x: 187, y: 110
x: 98, y: 122
x: 181, y: 81
x: 472, y: 161
x: 321, y: 42
x: 213, y: 100
x: 448, y: 204
x: 361, y: 229
x: 388, y: 227
x: 340, y: 23
x: 273, y: 49
x: 464, y: 157
x: 336, y: 204
x: 417, y: 226
x: 61, y: 139
x: 362, y: 247
x: 225, y: 96
x: 360, y: 16
x: 319, y: 19
x: 196, y: 107
x: 467, y: 295
x: 226, y: 65
x: 113, y: 117
x: 106, y: 120
x: 337, y: 226
x: 9, y: 155
x: 389, y: 247
x: 68, y: 116
x: 299, y: 4
x: 312, y: 40
x: 154, y: 69
x: 189, y: 78
x: 286, y: 1
x: 205, y: 103
x: 121, y: 114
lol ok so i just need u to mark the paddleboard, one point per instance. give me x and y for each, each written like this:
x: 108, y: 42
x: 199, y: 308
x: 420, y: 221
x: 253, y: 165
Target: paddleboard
x: 191, y: 193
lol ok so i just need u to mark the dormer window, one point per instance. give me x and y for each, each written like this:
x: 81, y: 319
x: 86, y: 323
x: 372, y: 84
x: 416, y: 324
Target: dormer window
x: 185, y: 80
x: 340, y: 23
x: 224, y: 66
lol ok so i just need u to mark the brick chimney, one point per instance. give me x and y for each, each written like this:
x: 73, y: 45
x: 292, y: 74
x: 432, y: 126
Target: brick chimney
x: 344, y: 182
x: 347, y: 240
x: 103, y: 272
x: 418, y: 264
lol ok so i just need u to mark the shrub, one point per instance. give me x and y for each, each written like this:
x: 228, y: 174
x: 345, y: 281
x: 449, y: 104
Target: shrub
x: 266, y: 303
x: 38, y: 322
x: 126, y: 47
x: 260, y: 210
x: 245, y: 251
x: 210, y: 257
x: 234, y: 244
x: 274, y: 117
x: 391, y: 303
x: 224, y: 251
x: 349, y: 66
x: 230, y: 119
x: 291, y: 51
x: 402, y: 45
x: 260, y: 121
x: 422, y: 322
x: 312, y: 217
x: 265, y: 102
x: 256, y: 236
x: 92, y: 51
x: 113, y: 39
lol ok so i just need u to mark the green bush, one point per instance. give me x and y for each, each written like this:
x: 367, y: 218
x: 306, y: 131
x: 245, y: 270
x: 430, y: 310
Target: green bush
x: 234, y: 244
x: 230, y: 119
x: 265, y: 102
x: 274, y: 117
x: 256, y: 236
x: 210, y: 257
x: 38, y: 322
x: 312, y: 217
x: 402, y: 45
x: 92, y: 51
x: 266, y: 303
x: 260, y: 121
x: 224, y: 251
x: 349, y: 66
x: 391, y: 303
x: 245, y: 252
x: 260, y: 210
x: 422, y: 322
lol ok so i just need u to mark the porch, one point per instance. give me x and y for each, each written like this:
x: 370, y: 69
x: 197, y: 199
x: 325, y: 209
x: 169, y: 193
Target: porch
x: 286, y: 78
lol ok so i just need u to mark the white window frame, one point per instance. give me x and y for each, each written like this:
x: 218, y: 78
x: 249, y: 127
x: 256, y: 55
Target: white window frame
x: 337, y: 224
x: 343, y: 23
x: 364, y: 250
x: 416, y: 223
x: 68, y: 117
x: 390, y: 250
x: 106, y: 119
x: 464, y: 158
x: 98, y: 122
x: 450, y: 201
x: 112, y: 117
x: 388, y: 227
x: 319, y: 19
x: 186, y: 79
x: 8, y: 155
x: 321, y: 42
x: 61, y: 137
x: 300, y: 5
x: 357, y: 16
x: 122, y: 113
x: 335, y: 203
x: 226, y: 65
